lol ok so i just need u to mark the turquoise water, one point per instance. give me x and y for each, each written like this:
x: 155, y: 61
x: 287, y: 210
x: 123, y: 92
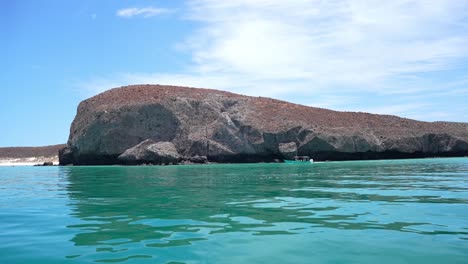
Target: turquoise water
x: 406, y: 211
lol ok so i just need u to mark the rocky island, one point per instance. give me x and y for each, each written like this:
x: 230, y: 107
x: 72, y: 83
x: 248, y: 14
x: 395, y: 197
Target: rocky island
x: 169, y: 125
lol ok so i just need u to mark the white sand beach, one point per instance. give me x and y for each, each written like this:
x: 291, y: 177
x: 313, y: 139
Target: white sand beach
x: 30, y: 161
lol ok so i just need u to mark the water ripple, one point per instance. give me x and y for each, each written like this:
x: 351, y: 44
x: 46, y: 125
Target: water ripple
x: 406, y: 211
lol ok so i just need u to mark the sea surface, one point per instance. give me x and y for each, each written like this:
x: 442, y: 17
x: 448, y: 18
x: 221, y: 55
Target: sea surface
x: 395, y: 211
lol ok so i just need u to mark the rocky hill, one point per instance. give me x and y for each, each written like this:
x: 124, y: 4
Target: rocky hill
x: 28, y: 152
x: 12, y: 156
x: 161, y: 124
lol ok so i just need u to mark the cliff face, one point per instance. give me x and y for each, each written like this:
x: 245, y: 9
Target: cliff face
x: 227, y: 127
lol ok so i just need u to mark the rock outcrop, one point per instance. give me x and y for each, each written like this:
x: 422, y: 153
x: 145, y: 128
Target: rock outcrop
x: 288, y: 150
x: 228, y: 127
x: 152, y: 152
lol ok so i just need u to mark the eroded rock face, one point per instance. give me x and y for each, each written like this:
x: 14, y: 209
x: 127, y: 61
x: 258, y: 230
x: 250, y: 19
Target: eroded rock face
x: 65, y: 156
x: 151, y: 152
x: 288, y: 150
x: 227, y: 127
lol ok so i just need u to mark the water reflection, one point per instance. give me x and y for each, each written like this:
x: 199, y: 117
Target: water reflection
x: 137, y: 212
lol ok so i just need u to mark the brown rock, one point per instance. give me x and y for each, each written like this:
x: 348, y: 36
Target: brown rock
x: 198, y: 159
x: 227, y: 127
x: 288, y: 150
x: 151, y: 152
x: 65, y: 156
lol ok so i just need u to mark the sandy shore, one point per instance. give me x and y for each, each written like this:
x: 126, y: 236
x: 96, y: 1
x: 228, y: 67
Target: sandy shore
x: 31, y: 161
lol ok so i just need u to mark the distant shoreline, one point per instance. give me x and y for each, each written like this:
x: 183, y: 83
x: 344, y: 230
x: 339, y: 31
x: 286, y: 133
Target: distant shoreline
x: 29, y: 156
x: 29, y: 161
x: 34, y: 161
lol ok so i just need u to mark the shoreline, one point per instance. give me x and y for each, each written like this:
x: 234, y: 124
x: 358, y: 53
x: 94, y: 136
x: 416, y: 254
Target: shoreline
x: 29, y: 161
x: 11, y: 163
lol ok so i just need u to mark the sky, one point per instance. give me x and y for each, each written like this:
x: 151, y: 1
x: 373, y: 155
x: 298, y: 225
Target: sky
x: 402, y: 57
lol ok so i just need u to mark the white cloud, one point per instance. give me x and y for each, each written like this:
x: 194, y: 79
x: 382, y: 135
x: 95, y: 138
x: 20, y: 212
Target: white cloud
x: 321, y: 49
x: 398, y: 109
x: 329, y: 42
x: 336, y: 102
x: 234, y: 83
x: 144, y: 12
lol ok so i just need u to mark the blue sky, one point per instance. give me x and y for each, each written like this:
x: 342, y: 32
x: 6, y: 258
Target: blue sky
x: 402, y: 57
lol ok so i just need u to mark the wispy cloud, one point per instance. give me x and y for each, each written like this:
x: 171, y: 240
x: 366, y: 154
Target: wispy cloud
x: 322, y: 49
x: 329, y: 43
x: 144, y: 12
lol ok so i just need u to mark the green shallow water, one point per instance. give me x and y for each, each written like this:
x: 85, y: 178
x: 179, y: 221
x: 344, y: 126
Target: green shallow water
x: 405, y: 211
